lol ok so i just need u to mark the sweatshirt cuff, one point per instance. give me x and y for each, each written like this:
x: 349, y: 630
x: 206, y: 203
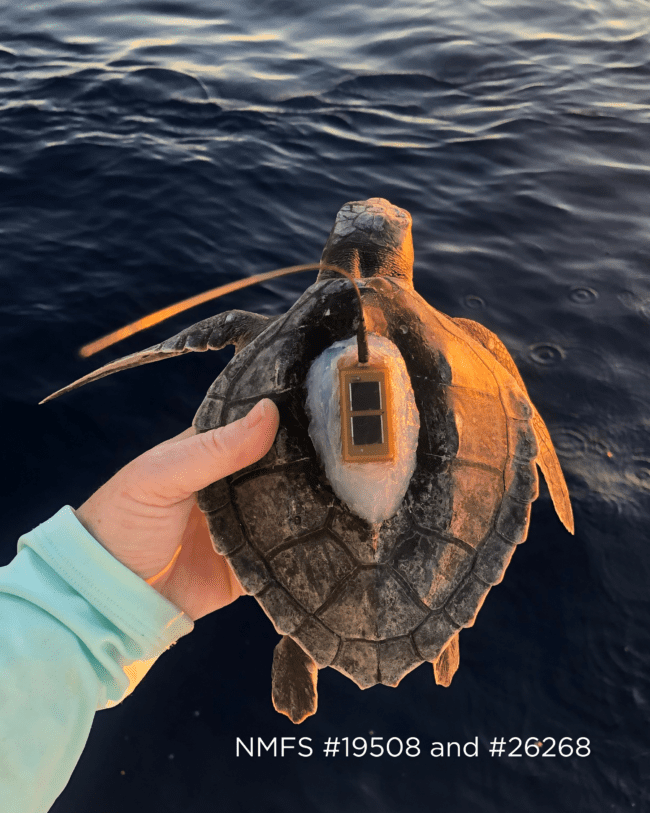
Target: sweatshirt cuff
x: 127, y: 601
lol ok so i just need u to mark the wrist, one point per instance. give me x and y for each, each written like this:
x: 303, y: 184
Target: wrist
x: 158, y: 580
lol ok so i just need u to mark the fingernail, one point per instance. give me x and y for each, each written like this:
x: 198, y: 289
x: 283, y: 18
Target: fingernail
x: 256, y: 414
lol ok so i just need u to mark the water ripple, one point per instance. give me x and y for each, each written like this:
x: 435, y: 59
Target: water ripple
x: 582, y: 295
x: 546, y: 354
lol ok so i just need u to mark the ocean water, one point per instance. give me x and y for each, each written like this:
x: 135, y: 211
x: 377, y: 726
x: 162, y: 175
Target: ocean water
x: 152, y: 150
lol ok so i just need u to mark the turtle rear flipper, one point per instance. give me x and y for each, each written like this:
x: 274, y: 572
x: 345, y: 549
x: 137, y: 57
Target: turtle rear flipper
x: 447, y: 663
x: 294, y: 676
x: 232, y: 327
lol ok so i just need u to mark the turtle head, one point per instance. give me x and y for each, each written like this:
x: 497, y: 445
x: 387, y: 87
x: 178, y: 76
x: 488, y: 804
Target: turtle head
x: 370, y: 238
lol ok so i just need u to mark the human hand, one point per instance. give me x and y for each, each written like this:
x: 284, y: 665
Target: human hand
x: 147, y: 517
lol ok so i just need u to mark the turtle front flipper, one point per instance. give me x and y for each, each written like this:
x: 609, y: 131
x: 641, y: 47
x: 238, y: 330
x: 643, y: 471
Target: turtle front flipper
x: 550, y: 466
x: 294, y: 676
x: 547, y: 458
x: 232, y: 327
x: 446, y: 664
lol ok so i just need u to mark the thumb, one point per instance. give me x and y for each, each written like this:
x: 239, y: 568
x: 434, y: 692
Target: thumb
x: 174, y: 471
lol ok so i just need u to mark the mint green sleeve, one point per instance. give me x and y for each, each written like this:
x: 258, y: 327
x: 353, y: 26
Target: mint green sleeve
x: 75, y: 624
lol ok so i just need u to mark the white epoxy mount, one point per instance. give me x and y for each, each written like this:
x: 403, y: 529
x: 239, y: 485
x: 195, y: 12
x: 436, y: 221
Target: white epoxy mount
x: 371, y: 490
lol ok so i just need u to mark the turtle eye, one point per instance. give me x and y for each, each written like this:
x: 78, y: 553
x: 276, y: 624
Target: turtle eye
x: 365, y: 413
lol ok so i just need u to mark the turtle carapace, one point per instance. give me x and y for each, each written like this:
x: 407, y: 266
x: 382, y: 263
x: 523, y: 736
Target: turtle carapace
x: 369, y: 566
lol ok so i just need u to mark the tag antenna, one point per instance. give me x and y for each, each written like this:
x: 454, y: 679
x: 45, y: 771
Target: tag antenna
x: 165, y: 313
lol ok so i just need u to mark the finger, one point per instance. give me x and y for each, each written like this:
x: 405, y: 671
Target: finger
x: 186, y: 434
x: 176, y: 470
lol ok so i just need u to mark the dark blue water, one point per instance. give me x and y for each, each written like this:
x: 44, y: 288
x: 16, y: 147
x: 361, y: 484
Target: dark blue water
x: 151, y: 150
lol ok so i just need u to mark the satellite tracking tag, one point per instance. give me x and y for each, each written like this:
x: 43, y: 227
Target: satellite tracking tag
x: 366, y: 417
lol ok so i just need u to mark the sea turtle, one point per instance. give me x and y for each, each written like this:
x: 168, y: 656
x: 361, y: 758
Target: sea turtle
x: 370, y: 567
